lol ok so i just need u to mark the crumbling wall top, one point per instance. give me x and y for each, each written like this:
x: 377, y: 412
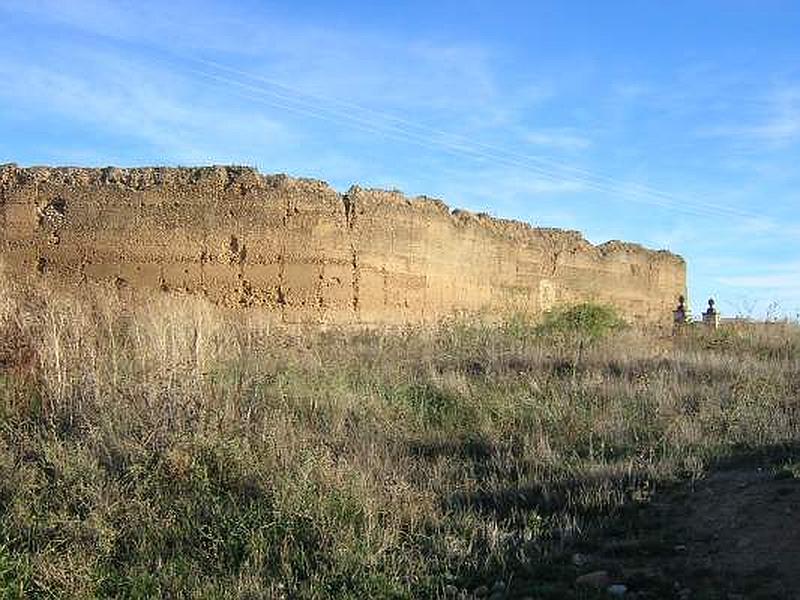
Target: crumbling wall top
x: 248, y: 179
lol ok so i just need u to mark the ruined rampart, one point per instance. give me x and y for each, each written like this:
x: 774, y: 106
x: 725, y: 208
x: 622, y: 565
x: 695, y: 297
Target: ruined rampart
x: 308, y: 254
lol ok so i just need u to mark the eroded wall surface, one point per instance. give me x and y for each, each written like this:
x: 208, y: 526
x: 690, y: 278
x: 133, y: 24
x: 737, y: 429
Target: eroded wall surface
x: 307, y: 254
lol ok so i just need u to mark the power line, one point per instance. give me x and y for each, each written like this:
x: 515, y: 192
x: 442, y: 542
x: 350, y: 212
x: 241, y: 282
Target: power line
x: 339, y: 111
x: 619, y: 185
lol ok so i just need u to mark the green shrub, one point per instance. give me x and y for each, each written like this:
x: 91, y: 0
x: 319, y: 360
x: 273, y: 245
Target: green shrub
x: 586, y: 321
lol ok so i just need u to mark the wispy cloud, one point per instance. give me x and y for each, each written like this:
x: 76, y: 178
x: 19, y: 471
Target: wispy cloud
x: 125, y: 98
x: 787, y: 282
x: 776, y: 122
x: 565, y: 139
x: 389, y: 71
x: 770, y: 293
x: 131, y: 87
x: 783, y: 278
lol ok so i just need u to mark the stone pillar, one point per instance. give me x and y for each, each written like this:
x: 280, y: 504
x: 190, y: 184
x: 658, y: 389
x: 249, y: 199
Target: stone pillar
x: 680, y: 314
x: 711, y: 316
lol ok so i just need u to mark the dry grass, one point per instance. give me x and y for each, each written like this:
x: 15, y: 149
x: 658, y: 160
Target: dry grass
x: 172, y: 450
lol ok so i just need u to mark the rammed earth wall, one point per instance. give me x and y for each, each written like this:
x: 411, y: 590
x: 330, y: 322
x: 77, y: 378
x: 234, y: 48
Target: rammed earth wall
x: 299, y: 249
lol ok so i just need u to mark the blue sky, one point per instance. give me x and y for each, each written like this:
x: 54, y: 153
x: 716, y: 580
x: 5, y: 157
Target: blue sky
x: 673, y: 124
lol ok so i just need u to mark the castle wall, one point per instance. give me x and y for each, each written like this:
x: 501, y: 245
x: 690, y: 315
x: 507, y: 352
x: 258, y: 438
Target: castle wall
x: 303, y: 252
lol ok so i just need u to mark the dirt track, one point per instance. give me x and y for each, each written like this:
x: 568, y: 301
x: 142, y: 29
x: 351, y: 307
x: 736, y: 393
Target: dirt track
x: 735, y: 534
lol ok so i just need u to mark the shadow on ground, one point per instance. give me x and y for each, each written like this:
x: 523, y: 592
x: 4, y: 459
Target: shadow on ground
x: 732, y: 534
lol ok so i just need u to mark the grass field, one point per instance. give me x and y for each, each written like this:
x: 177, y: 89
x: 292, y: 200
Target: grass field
x: 175, y: 451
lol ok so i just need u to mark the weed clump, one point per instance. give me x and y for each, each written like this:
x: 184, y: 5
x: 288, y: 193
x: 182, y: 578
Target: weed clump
x: 587, y: 321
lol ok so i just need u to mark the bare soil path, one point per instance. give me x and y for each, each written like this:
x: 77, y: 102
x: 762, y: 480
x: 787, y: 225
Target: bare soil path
x: 732, y: 535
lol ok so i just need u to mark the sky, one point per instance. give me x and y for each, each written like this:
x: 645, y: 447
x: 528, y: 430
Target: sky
x: 672, y: 124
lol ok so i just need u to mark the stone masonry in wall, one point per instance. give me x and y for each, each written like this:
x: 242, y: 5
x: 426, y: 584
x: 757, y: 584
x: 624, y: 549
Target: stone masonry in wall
x: 307, y: 254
